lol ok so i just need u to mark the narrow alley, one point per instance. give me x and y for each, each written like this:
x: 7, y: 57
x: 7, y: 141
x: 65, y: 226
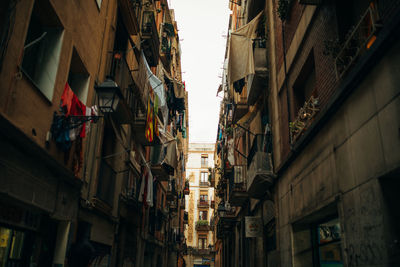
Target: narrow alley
x: 183, y: 133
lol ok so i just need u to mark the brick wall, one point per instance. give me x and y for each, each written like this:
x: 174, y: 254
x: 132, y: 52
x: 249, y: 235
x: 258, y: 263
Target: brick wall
x: 323, y: 27
x: 290, y: 26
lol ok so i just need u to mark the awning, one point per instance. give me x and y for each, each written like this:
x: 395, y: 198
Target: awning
x: 241, y: 60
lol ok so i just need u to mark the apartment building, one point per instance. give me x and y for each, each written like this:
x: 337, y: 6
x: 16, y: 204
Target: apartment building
x: 89, y: 164
x: 308, y: 135
x: 200, y: 205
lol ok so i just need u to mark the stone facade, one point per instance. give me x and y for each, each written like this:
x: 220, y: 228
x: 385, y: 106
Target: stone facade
x: 335, y: 162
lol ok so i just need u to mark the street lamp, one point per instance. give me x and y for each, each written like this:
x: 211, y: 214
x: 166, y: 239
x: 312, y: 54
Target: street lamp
x: 221, y: 209
x: 109, y: 95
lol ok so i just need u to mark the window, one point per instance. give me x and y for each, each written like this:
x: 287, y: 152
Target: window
x: 203, y: 198
x: 318, y: 244
x: 11, y: 246
x: 204, y: 160
x: 203, y: 178
x: 78, y: 77
x: 42, y: 48
x: 327, y: 244
x: 202, y: 242
x: 304, y: 85
x: 203, y: 215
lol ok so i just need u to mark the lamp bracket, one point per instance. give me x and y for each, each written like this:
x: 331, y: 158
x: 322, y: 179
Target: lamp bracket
x: 75, y: 121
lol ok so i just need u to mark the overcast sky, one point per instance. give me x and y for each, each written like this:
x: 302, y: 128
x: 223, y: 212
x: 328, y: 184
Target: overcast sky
x: 202, y: 30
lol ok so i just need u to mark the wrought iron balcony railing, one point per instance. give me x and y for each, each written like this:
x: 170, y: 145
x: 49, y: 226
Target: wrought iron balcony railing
x: 203, y: 203
x: 203, y: 184
x: 304, y: 118
x: 202, y: 225
x: 359, y: 40
x: 151, y: 42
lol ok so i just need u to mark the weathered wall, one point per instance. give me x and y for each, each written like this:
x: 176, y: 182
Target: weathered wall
x: 342, y: 165
x: 85, y: 30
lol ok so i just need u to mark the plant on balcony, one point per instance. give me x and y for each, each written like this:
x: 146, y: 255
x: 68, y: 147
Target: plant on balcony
x: 229, y: 131
x: 304, y: 117
x: 202, y: 223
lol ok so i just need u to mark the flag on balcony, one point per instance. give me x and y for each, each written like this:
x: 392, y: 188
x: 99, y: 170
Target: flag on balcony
x: 155, y: 117
x: 149, y: 130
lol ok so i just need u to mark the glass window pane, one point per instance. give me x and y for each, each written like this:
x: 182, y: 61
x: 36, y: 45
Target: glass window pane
x: 329, y: 231
x: 331, y: 255
x: 17, y: 245
x: 5, y: 238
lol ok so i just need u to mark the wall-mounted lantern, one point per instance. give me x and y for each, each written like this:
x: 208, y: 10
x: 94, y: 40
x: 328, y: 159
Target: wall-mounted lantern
x: 108, y: 95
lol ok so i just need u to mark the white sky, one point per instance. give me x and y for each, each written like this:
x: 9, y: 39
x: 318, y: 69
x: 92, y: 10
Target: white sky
x: 202, y: 29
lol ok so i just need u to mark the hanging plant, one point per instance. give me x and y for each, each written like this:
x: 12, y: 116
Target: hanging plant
x: 229, y: 131
x: 283, y: 8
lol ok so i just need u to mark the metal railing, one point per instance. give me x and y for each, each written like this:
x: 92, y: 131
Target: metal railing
x: 203, y: 203
x: 304, y: 117
x: 357, y: 42
x: 122, y: 74
x: 203, y: 184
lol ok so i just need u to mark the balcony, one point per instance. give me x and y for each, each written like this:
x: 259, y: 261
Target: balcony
x: 260, y: 171
x: 173, y: 205
x: 359, y: 41
x: 201, y: 251
x: 150, y: 40
x: 203, y: 203
x: 157, y: 168
x: 183, y: 203
x: 226, y: 223
x: 237, y: 187
x: 203, y: 184
x: 240, y: 105
x: 171, y: 192
x: 202, y: 225
x: 256, y: 83
x: 304, y: 118
x: 221, y: 188
x: 168, y: 32
x: 211, y: 177
x: 130, y: 193
x: 120, y: 72
x: 130, y: 10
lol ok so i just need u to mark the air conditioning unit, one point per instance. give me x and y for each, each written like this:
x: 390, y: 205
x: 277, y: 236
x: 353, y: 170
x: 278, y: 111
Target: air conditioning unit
x: 260, y: 174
